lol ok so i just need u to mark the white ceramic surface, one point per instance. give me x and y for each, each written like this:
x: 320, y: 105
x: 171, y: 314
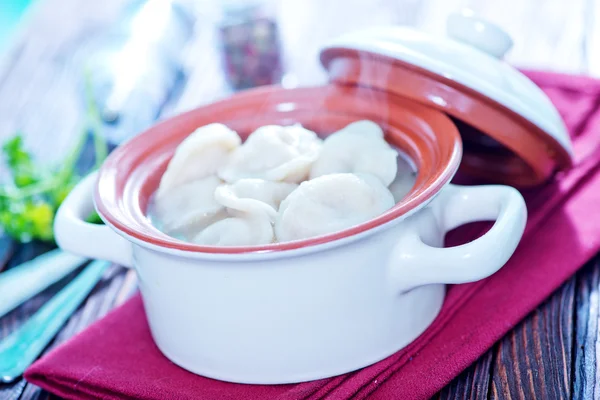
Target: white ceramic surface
x: 310, y: 313
x: 470, y: 55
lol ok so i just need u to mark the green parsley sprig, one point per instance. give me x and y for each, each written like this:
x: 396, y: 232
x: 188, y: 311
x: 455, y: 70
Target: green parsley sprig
x: 30, y: 200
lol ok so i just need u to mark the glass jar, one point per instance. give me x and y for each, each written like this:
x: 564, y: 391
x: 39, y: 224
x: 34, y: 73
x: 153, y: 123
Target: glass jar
x: 249, y: 41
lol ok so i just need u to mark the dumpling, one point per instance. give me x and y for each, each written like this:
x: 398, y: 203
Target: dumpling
x: 251, y: 206
x: 272, y: 193
x: 360, y: 148
x: 199, y: 155
x: 188, y: 208
x: 241, y: 229
x: 274, y: 153
x: 254, y: 195
x: 331, y: 203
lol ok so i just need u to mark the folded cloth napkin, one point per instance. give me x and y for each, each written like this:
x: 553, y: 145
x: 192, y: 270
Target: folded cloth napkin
x: 116, y: 357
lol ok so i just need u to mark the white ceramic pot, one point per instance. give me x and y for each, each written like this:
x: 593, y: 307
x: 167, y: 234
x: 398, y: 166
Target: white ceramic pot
x: 307, y: 313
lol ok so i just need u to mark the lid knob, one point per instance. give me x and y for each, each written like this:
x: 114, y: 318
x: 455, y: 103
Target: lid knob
x: 487, y: 37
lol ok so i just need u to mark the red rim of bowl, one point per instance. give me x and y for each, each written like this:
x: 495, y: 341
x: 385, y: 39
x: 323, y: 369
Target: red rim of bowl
x: 132, y: 172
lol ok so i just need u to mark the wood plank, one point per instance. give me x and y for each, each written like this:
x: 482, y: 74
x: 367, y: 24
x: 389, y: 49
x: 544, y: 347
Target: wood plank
x: 473, y: 384
x: 127, y: 289
x: 534, y: 360
x: 7, y: 248
x: 34, y: 393
x: 15, y: 318
x: 586, y: 347
x: 100, y: 302
x: 12, y: 391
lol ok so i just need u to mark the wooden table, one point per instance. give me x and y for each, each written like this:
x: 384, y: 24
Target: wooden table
x: 552, y: 354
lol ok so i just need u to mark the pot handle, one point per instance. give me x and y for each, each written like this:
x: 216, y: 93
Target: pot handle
x: 73, y: 234
x: 416, y: 263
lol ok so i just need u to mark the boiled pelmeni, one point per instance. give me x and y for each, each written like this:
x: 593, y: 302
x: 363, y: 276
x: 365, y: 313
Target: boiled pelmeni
x: 360, y: 148
x: 240, y: 229
x: 251, y: 206
x: 199, y: 155
x: 188, y: 208
x: 274, y: 153
x: 254, y: 195
x: 272, y: 193
x: 331, y: 203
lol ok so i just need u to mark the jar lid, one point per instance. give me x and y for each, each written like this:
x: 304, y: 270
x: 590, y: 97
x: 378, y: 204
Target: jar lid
x: 511, y: 131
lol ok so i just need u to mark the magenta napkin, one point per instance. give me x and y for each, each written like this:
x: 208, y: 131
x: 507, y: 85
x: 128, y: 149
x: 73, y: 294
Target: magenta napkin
x: 116, y: 357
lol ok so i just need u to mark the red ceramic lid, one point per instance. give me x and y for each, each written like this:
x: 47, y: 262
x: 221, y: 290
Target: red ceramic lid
x: 512, y: 133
